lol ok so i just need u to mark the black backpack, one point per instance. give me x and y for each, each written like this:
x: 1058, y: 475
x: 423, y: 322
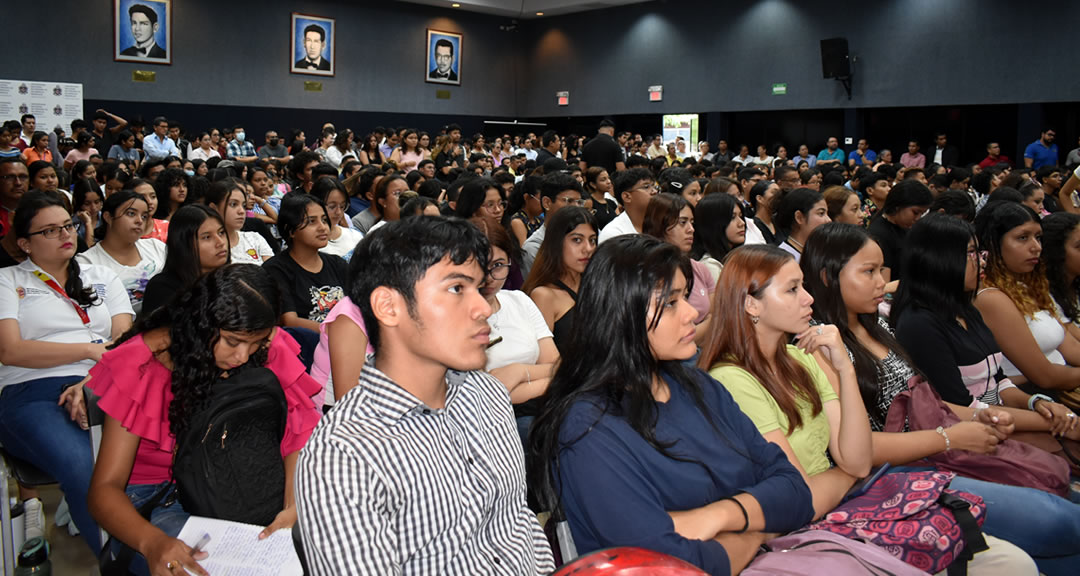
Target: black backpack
x: 228, y: 463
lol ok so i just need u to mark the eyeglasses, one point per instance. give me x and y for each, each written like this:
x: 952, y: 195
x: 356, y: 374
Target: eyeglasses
x: 492, y: 206
x: 499, y: 270
x: 652, y: 187
x: 16, y: 177
x: 54, y: 231
x: 571, y: 200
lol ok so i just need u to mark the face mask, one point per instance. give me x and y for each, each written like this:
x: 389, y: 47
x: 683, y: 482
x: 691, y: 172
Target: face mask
x: 274, y: 141
x: 239, y: 136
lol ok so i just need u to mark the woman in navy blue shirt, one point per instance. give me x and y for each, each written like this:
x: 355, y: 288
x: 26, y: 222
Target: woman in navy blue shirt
x: 640, y: 449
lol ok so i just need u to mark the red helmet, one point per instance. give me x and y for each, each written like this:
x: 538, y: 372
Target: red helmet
x: 628, y: 562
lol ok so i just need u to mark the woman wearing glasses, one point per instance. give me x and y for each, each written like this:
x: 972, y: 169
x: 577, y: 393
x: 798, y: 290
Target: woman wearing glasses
x: 943, y: 332
x: 522, y: 352
x: 55, y: 319
x: 481, y: 197
x: 553, y: 282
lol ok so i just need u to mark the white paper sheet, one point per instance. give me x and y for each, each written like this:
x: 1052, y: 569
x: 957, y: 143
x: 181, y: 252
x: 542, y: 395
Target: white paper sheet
x: 235, y: 549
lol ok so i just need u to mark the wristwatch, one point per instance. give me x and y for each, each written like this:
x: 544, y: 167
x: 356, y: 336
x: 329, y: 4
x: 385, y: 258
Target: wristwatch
x: 1035, y: 398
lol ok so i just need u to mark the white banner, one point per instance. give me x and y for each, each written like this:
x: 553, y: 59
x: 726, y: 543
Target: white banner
x: 52, y: 103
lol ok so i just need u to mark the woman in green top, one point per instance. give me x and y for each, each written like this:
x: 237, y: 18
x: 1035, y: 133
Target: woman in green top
x: 803, y: 397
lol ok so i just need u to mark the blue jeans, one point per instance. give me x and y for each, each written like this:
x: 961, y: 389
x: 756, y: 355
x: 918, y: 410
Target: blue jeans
x: 1045, y: 526
x: 168, y: 516
x: 33, y: 428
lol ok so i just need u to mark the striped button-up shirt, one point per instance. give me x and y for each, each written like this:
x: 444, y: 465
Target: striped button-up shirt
x: 387, y: 485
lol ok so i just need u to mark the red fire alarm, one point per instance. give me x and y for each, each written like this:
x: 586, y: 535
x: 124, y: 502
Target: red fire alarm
x: 563, y: 98
x: 656, y: 93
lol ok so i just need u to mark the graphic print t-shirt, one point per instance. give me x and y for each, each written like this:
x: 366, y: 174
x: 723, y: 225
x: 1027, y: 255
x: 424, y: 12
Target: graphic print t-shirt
x: 310, y: 296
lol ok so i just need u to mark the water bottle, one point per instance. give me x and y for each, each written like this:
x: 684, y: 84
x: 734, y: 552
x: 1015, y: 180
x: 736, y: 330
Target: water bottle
x: 34, y: 559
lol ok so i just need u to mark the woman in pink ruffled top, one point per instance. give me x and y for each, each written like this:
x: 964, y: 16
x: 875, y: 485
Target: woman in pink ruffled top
x: 148, y: 384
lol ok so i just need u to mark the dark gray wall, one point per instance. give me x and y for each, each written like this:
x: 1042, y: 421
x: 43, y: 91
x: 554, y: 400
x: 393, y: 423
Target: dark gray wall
x: 721, y: 55
x: 236, y: 52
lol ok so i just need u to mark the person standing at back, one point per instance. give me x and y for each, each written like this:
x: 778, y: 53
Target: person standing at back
x: 603, y: 150
x: 419, y: 468
x: 1042, y: 152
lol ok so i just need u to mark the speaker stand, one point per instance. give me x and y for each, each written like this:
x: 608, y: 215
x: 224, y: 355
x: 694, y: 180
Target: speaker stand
x: 846, y: 82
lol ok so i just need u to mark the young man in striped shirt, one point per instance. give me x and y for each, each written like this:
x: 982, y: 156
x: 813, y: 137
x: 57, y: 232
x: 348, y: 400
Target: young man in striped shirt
x: 419, y: 468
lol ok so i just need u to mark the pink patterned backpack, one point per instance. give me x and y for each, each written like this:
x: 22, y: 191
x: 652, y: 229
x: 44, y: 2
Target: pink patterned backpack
x: 914, y: 517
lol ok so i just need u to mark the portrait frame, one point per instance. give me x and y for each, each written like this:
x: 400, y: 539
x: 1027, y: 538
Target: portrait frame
x: 430, y: 74
x: 124, y: 43
x: 297, y: 45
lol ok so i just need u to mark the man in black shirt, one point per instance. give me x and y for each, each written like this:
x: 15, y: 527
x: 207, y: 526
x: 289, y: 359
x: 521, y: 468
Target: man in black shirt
x: 550, y: 142
x: 603, y: 150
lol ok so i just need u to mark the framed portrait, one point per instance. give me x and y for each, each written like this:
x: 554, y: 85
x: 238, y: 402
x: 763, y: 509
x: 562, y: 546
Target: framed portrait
x: 443, y: 58
x: 142, y: 31
x: 312, y: 45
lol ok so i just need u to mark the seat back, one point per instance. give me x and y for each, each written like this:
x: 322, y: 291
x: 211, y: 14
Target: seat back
x: 95, y: 419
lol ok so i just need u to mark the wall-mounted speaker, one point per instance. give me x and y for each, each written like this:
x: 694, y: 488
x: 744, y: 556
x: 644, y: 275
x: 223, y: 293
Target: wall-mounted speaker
x: 835, y: 62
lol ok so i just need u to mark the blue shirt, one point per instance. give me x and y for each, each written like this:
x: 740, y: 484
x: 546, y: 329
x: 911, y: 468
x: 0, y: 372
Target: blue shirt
x: 810, y: 160
x: 837, y: 154
x: 869, y: 155
x: 616, y: 489
x: 1041, y: 155
x: 117, y: 152
x: 158, y: 148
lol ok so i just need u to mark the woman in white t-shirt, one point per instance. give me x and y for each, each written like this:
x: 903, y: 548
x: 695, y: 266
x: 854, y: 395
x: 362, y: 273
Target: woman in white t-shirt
x: 522, y: 354
x: 134, y: 259
x: 56, y: 317
x: 228, y: 197
x: 343, y: 238
x: 205, y: 151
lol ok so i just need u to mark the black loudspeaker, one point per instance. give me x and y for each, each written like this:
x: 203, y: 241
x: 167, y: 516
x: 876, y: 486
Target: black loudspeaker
x: 834, y: 58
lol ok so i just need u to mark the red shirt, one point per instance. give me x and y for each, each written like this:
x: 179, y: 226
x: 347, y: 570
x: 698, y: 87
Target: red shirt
x: 992, y: 161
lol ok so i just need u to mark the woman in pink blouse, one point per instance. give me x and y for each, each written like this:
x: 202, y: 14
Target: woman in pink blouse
x: 148, y: 384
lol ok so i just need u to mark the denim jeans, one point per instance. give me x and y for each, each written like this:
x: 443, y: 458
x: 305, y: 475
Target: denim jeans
x: 168, y: 516
x: 1045, y: 526
x: 33, y: 428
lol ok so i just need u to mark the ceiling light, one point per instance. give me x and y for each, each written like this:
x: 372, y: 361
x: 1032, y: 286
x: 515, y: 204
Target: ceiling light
x: 455, y: 5
x: 539, y: 13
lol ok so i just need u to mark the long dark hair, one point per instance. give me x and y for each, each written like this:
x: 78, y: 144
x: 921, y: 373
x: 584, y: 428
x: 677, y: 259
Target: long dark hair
x: 828, y: 249
x: 662, y: 214
x: 1029, y: 292
x: 115, y: 205
x: 935, y: 252
x: 293, y: 215
x: 713, y: 215
x: 30, y: 204
x: 182, y: 260
x: 164, y: 183
x: 473, y: 195
x: 1056, y: 230
x: 611, y: 363
x: 732, y: 339
x: 798, y: 200
x: 237, y: 298
x: 548, y: 266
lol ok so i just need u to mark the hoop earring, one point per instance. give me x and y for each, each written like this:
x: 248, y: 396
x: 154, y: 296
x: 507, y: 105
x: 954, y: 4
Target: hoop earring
x: 754, y: 319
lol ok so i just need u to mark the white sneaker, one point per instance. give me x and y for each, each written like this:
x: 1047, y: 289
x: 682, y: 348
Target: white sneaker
x: 63, y: 515
x: 34, y: 523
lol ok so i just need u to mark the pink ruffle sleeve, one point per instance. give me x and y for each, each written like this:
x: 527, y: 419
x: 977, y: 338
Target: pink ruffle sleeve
x: 299, y: 387
x: 135, y: 389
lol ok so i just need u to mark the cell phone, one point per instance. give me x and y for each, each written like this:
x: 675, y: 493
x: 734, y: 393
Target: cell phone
x: 862, y: 486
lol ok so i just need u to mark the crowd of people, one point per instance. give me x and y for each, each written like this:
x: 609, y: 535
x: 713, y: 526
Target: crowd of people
x: 688, y: 351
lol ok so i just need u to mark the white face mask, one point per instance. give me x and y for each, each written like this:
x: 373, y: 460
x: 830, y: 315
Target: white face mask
x: 239, y: 136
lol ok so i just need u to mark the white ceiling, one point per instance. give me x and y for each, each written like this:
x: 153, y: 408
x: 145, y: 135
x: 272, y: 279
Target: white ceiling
x: 526, y: 8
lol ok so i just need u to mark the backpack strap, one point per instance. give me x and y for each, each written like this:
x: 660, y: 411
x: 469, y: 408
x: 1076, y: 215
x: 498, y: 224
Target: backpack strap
x: 973, y: 536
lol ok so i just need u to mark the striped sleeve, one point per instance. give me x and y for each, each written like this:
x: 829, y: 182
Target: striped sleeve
x: 344, y: 520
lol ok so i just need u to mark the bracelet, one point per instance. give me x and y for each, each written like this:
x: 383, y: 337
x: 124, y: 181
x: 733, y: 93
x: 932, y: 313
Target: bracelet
x: 746, y: 517
x: 1035, y: 398
x: 948, y: 445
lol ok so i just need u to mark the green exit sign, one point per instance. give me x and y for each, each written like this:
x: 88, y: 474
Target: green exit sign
x: 779, y: 89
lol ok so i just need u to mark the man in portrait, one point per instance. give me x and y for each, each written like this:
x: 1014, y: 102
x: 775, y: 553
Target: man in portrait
x: 314, y: 43
x: 444, y: 62
x: 144, y: 27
